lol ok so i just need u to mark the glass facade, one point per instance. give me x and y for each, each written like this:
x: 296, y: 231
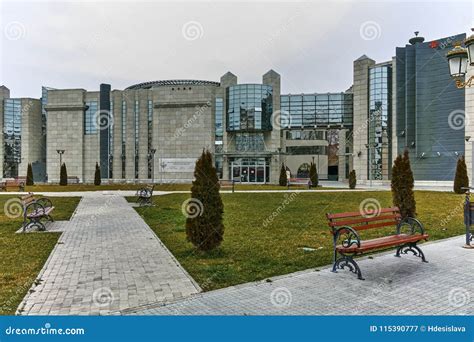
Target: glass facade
x: 219, y: 133
x: 137, y: 117
x: 305, y: 135
x: 111, y: 139
x: 380, y: 81
x: 249, y: 107
x: 90, y: 124
x: 12, y: 137
x: 312, y: 110
x: 249, y: 142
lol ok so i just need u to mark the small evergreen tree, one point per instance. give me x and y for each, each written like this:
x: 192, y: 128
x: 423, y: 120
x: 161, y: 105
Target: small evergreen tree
x: 204, y: 228
x: 97, y: 178
x: 283, y: 181
x: 63, y: 175
x: 313, y: 175
x: 29, y: 175
x: 352, y: 179
x: 402, y: 186
x: 461, y: 180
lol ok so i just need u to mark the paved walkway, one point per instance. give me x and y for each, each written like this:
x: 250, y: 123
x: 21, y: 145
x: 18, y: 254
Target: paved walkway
x: 106, y: 259
x: 393, y: 286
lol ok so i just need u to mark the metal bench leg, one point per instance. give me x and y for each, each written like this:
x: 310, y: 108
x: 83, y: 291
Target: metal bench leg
x: 35, y: 223
x: 349, y: 262
x: 413, y: 248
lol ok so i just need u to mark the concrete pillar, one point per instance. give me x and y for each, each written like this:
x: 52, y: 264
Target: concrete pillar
x: 4, y: 94
x: 143, y: 135
x: 129, y: 97
x: 116, y: 99
x: 469, y: 127
x: 273, y: 141
x: 361, y: 117
x: 227, y: 80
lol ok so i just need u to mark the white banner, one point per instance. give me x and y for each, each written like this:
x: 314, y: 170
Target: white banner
x: 177, y: 164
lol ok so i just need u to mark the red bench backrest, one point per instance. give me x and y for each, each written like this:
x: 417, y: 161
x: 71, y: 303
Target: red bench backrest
x: 365, y: 220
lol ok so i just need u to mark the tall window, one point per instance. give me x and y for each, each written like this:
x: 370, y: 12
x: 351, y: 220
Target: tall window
x: 111, y: 139
x: 12, y: 137
x: 379, y: 122
x: 124, y: 131
x: 219, y: 132
x: 90, y: 123
x: 150, y: 138
x: 137, y: 122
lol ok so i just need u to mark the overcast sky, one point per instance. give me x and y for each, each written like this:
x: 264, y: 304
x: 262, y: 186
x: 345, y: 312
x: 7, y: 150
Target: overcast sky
x: 65, y: 44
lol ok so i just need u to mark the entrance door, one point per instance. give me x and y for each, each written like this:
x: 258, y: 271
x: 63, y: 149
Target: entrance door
x: 252, y: 174
x: 244, y: 174
x: 250, y: 170
x: 260, y: 174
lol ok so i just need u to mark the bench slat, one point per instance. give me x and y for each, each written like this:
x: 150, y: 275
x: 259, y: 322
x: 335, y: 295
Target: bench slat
x: 386, y: 241
x: 376, y: 225
x: 350, y: 222
x: 357, y: 213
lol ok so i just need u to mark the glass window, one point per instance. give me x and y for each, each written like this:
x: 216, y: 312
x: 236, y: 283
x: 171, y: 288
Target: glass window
x: 90, y: 117
x: 249, y: 108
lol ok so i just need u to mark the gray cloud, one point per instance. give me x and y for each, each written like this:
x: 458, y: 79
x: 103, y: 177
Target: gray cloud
x: 313, y: 45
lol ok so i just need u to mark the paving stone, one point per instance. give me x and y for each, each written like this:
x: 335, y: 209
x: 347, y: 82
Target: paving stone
x: 392, y: 286
x: 108, y: 259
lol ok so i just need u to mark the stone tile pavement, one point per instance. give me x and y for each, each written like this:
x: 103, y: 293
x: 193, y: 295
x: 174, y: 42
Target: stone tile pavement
x: 107, y: 259
x: 393, y: 286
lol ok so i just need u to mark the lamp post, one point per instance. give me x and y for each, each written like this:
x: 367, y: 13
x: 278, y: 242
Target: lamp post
x: 163, y: 165
x: 458, y: 59
x: 152, y: 156
x: 369, y: 150
x: 370, y: 165
x: 60, y: 152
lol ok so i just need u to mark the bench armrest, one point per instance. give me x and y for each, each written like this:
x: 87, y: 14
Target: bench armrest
x: 410, y: 226
x: 45, y: 202
x: 347, y: 235
x: 31, y: 208
x: 144, y: 192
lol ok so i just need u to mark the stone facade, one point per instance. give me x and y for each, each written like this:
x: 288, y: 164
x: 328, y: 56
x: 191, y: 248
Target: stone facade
x: 360, y: 90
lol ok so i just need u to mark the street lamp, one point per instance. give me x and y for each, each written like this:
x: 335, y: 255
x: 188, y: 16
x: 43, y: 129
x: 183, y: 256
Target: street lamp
x: 60, y: 152
x: 458, y: 59
x: 163, y: 165
x: 369, y: 152
x: 152, y: 156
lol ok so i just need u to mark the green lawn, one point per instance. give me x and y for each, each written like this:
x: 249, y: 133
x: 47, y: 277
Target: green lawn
x: 23, y: 255
x: 251, y: 251
x: 160, y: 187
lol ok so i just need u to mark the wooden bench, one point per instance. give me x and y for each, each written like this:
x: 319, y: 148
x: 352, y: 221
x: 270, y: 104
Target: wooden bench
x: 73, y: 180
x: 17, y: 184
x: 468, y: 218
x: 227, y: 184
x: 35, y: 210
x: 145, y: 195
x: 303, y: 181
x: 345, y: 228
